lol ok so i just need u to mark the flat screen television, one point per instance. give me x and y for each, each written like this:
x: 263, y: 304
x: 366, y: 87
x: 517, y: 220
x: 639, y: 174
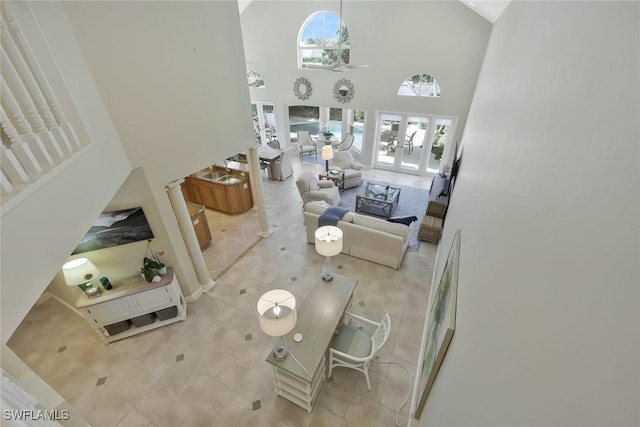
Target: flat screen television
x: 115, y: 228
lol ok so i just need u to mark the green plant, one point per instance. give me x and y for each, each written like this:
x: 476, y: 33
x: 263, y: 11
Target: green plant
x: 151, y: 263
x: 437, y: 150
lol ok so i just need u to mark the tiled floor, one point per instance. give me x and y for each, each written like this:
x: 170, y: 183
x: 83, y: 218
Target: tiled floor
x: 210, y: 370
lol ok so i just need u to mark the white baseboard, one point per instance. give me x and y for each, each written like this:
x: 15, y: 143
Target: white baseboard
x: 48, y: 295
x: 201, y: 291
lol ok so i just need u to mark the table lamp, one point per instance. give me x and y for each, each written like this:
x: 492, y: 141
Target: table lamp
x: 277, y: 317
x: 80, y: 272
x: 327, y: 154
x: 328, y: 243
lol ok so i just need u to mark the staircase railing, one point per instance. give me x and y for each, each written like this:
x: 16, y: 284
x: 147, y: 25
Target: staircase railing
x: 37, y: 138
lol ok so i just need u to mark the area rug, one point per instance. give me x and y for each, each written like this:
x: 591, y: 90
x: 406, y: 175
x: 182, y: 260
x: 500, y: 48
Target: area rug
x: 413, y: 202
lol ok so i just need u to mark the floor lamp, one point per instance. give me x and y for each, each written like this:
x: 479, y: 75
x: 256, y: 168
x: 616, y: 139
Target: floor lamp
x: 328, y: 243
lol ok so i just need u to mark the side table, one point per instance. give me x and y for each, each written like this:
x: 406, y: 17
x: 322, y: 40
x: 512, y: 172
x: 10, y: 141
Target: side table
x: 336, y: 176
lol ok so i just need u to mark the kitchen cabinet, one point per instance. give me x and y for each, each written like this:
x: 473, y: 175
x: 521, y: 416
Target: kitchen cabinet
x: 200, y: 223
x: 227, y: 192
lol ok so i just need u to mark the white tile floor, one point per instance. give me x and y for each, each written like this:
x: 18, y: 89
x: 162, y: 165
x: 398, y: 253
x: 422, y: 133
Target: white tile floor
x: 210, y: 370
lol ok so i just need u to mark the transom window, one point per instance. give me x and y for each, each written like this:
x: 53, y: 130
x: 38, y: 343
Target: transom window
x: 420, y: 85
x: 320, y: 39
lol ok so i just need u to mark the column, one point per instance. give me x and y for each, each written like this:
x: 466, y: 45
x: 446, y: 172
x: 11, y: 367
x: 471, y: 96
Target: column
x: 179, y: 206
x: 257, y: 192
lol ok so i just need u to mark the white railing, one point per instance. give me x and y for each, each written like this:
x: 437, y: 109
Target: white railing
x: 36, y: 135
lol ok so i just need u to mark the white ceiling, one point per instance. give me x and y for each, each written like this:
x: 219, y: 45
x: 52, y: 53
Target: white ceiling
x: 488, y: 9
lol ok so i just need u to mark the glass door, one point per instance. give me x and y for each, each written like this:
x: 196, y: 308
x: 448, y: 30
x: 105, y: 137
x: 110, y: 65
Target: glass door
x: 412, y: 144
x: 439, y: 146
x: 387, y: 131
x: 264, y: 121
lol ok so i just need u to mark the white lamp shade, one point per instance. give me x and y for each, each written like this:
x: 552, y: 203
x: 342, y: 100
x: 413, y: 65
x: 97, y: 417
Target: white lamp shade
x: 328, y: 240
x: 327, y: 152
x: 79, y: 271
x: 277, y: 312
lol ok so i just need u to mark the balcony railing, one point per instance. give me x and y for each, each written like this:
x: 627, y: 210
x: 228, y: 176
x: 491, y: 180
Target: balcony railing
x: 37, y: 138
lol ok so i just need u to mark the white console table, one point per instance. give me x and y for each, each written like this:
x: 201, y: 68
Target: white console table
x: 129, y: 298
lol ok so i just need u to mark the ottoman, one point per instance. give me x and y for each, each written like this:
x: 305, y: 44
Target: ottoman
x: 430, y: 229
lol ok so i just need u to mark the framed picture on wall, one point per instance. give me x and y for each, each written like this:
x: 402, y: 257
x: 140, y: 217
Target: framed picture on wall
x: 441, y: 322
x: 115, y: 228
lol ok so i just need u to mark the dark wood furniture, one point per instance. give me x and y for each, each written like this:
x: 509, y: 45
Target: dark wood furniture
x: 336, y: 176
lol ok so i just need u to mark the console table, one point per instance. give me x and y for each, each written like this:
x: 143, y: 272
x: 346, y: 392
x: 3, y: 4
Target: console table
x: 319, y: 314
x: 439, y: 196
x: 131, y: 298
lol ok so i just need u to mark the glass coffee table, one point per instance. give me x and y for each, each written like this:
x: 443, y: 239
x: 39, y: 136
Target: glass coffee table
x: 378, y: 199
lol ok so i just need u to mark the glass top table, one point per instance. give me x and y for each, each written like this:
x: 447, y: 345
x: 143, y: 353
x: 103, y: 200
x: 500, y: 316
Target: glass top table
x: 378, y: 199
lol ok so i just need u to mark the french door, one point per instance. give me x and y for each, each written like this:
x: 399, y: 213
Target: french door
x: 264, y: 121
x: 412, y: 143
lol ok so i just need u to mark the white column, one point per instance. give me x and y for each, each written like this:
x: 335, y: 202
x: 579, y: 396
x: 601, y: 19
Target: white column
x: 257, y: 192
x: 179, y: 206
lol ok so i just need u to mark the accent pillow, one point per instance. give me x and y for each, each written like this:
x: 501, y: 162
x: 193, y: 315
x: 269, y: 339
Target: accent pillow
x: 381, y: 225
x: 406, y: 220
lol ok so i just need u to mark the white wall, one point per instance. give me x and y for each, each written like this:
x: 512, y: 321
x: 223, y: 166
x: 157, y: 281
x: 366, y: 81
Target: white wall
x: 172, y: 76
x: 397, y: 39
x: 122, y: 261
x: 548, y: 203
x: 40, y: 232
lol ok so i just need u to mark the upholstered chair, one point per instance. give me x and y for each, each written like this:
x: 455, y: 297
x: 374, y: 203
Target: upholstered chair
x: 306, y: 144
x: 311, y: 189
x: 281, y: 168
x: 343, y: 160
x: 346, y: 143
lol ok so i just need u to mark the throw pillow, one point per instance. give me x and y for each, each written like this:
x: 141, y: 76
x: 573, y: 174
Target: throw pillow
x: 406, y: 220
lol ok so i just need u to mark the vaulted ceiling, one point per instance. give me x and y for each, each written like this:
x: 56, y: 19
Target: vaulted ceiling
x: 488, y: 9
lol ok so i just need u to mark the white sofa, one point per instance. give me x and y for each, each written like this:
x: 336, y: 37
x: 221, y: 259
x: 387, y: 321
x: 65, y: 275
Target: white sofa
x: 365, y: 237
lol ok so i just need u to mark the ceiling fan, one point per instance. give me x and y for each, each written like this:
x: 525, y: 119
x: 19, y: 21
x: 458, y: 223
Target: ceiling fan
x: 339, y: 65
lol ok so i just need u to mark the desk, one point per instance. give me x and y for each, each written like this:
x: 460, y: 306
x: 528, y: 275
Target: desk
x: 319, y: 314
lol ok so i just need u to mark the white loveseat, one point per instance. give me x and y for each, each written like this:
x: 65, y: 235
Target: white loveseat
x: 365, y: 237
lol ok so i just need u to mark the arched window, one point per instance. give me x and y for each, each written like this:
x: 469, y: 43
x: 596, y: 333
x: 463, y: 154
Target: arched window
x: 420, y: 85
x: 255, y: 79
x: 319, y: 40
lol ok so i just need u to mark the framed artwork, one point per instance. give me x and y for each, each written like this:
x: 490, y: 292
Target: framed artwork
x: 441, y: 322
x: 115, y: 228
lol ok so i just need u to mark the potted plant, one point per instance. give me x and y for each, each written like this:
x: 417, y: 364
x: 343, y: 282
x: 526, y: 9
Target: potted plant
x: 151, y: 264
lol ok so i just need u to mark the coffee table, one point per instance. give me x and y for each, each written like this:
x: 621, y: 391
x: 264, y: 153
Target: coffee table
x: 378, y: 199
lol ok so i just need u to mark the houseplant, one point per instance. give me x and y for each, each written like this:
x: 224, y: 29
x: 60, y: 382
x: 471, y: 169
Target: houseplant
x: 151, y: 264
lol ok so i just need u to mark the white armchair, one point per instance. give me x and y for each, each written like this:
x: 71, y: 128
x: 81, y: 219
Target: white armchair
x: 306, y: 144
x: 343, y: 160
x: 346, y: 143
x: 311, y: 189
x: 354, y: 348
